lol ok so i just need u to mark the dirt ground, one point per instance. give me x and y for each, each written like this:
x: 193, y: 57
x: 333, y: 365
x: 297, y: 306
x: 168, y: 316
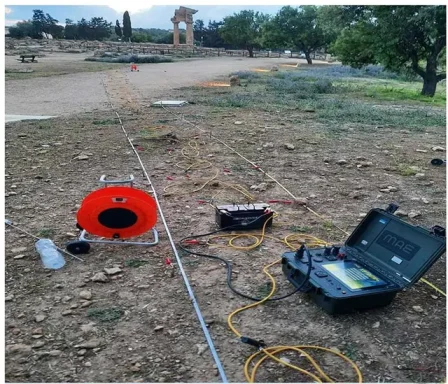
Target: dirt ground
x: 56, y: 332
x: 71, y: 92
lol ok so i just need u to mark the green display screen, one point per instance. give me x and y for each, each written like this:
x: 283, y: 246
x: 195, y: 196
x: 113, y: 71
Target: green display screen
x: 353, y: 276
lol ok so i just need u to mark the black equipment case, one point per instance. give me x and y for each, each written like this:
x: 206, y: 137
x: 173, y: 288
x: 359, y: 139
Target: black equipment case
x: 242, y: 216
x: 380, y: 258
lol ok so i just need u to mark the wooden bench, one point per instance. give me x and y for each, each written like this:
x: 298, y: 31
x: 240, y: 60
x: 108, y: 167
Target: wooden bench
x: 23, y: 57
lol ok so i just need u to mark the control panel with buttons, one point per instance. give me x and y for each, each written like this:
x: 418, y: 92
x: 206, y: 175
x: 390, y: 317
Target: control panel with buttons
x: 383, y: 256
x: 329, y: 287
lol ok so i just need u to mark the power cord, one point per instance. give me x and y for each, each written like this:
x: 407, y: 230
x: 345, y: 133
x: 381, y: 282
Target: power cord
x: 257, y: 167
x: 228, y: 264
x: 270, y: 352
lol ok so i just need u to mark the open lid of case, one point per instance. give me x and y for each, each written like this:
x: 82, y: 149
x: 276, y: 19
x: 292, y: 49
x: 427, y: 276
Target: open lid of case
x: 404, y: 251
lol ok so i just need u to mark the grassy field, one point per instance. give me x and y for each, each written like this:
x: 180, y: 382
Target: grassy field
x: 334, y: 98
x: 57, y: 69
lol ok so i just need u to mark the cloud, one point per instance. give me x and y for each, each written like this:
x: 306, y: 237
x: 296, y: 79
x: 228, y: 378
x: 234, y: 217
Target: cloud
x: 10, y: 23
x: 132, y: 9
x: 8, y: 10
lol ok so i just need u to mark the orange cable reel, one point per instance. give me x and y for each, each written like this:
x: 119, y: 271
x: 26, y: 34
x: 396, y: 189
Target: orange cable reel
x: 117, y: 212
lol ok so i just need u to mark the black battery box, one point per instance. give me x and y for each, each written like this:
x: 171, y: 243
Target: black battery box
x: 243, y: 216
x: 382, y: 256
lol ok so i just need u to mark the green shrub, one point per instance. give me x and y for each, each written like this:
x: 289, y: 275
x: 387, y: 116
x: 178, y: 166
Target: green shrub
x: 132, y: 59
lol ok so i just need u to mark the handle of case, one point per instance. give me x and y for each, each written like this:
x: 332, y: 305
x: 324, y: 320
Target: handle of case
x: 127, y: 181
x: 392, y: 208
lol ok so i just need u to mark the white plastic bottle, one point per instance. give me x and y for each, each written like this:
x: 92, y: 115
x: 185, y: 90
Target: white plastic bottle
x: 49, y: 254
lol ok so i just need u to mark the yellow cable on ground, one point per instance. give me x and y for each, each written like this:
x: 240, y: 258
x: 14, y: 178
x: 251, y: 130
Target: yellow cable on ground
x: 259, y: 237
x: 279, y: 184
x: 192, y: 162
x: 432, y: 286
x: 270, y: 352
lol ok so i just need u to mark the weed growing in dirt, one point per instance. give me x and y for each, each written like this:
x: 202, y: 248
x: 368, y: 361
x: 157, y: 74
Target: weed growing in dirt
x: 46, y: 233
x: 43, y: 124
x: 134, y: 263
x: 345, y: 110
x: 104, y: 122
x: 406, y: 170
x: 245, y: 75
x: 264, y: 290
x: 105, y: 315
x: 232, y: 101
x: 333, y: 99
x: 394, y: 93
x: 328, y: 225
x: 341, y: 71
x: 138, y: 59
x: 303, y: 229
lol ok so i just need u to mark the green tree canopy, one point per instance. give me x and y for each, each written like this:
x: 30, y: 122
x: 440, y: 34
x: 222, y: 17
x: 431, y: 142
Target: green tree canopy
x: 100, y: 29
x: 44, y: 24
x: 70, y: 30
x: 21, y: 30
x: 199, y: 31
x: 95, y: 29
x: 141, y: 36
x: 167, y: 38
x: 127, y: 28
x: 296, y: 28
x: 402, y: 38
x: 243, y: 30
x: 118, y: 30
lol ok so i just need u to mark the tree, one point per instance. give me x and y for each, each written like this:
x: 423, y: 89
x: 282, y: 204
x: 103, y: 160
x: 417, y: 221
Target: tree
x: 83, y: 31
x: 199, y: 31
x: 167, y: 38
x: 127, y: 29
x: 243, y: 30
x: 95, y: 29
x: 141, y: 37
x: 53, y: 28
x: 118, y: 31
x: 39, y: 23
x: 44, y: 24
x: 296, y: 28
x: 21, y: 30
x: 99, y: 28
x: 402, y: 38
x: 71, y: 30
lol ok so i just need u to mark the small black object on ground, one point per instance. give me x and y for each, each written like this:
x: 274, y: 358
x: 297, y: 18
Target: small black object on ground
x: 438, y: 162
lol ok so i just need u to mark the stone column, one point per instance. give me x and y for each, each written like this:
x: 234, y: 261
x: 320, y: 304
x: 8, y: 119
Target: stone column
x: 176, y: 33
x: 190, y: 36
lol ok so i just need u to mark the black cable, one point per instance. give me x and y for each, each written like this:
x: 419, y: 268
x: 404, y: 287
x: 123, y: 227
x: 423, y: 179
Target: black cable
x: 228, y: 264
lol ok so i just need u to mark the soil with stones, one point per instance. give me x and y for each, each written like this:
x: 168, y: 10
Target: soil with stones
x: 135, y: 323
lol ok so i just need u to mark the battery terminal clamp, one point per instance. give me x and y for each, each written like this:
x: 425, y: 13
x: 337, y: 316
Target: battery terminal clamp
x: 392, y: 208
x: 259, y: 344
x: 438, y: 231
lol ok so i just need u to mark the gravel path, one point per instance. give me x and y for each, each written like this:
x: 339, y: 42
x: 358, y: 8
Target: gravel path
x: 83, y: 92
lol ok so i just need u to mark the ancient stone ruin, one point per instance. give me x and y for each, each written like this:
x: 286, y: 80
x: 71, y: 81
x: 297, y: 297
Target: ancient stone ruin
x: 183, y: 14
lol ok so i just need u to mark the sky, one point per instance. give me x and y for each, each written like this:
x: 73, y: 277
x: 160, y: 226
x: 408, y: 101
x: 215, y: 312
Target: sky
x: 156, y: 16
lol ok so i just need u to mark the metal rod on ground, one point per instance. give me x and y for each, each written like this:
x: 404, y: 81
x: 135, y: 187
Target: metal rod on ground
x: 8, y: 222
x: 176, y: 254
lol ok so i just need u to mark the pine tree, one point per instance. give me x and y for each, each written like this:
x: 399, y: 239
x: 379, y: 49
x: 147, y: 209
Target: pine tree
x: 118, y: 29
x: 127, y: 29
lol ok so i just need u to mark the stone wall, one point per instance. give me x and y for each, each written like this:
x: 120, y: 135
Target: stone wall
x: 99, y: 48
x: 18, y: 46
